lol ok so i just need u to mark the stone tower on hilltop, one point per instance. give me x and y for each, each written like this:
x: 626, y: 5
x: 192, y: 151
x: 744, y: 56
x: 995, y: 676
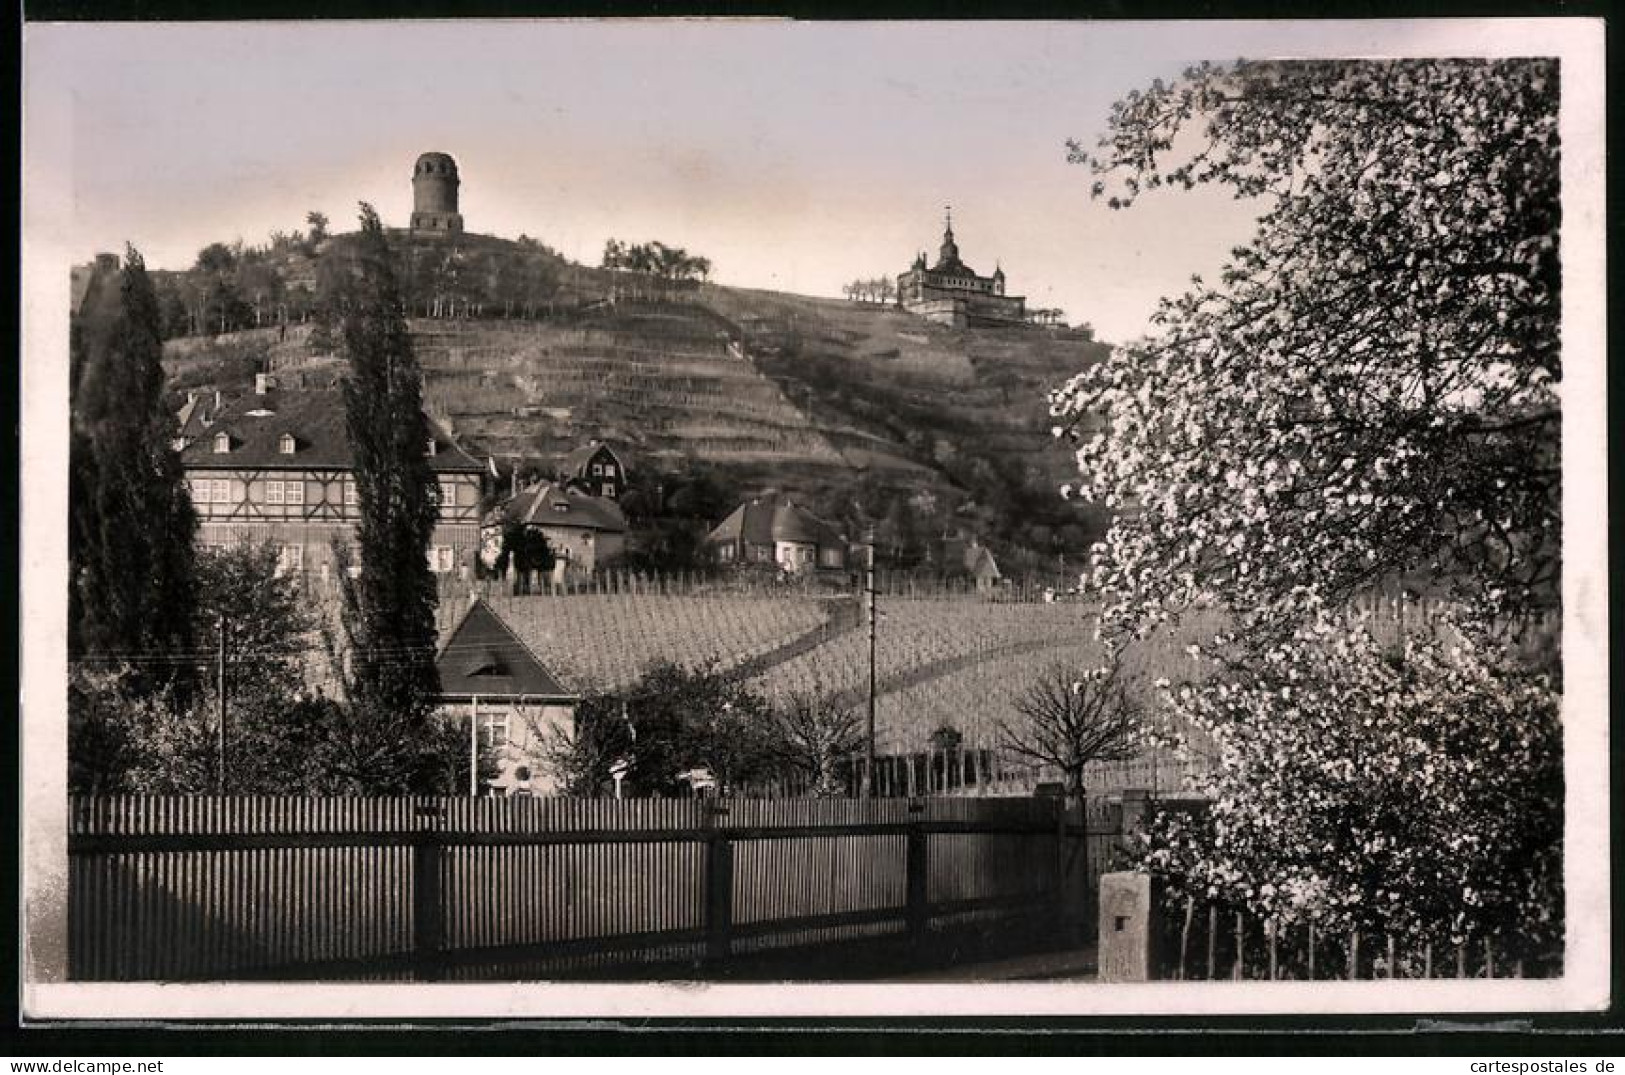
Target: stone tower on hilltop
x: 434, y: 195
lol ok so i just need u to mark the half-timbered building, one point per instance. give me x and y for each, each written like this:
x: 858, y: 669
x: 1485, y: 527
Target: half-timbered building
x: 275, y: 466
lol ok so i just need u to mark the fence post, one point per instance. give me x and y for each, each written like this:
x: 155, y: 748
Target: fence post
x: 917, y: 869
x: 1212, y: 940
x: 719, y: 886
x: 428, y: 918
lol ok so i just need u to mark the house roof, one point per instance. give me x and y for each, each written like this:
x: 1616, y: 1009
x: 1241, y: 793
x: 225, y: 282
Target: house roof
x: 483, y: 657
x: 971, y: 556
x: 552, y: 504
x: 576, y: 461
x: 771, y: 518
x: 315, y: 418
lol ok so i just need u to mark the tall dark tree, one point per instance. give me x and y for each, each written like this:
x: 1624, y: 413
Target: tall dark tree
x: 388, y: 606
x: 131, y: 522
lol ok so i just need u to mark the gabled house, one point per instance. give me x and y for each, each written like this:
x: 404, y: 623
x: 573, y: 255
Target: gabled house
x: 772, y: 529
x: 596, y: 469
x: 495, y: 686
x: 966, y: 557
x: 585, y: 532
x: 276, y: 465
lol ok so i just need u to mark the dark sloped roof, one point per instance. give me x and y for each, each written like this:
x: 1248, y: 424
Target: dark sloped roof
x: 551, y: 504
x: 483, y: 657
x: 315, y: 417
x: 774, y: 518
x: 575, y: 463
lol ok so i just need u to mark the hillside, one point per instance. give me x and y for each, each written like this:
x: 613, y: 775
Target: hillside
x: 866, y: 412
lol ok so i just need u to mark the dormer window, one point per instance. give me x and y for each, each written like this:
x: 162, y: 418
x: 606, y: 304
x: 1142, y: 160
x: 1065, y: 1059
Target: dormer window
x: 429, y: 447
x: 286, y: 444
x: 222, y: 442
x: 560, y: 506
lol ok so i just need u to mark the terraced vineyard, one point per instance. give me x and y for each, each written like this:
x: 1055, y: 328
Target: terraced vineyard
x: 664, y: 382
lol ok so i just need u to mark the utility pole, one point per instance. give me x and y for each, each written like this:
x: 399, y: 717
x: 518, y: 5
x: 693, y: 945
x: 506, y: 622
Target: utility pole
x: 220, y: 722
x: 869, y: 590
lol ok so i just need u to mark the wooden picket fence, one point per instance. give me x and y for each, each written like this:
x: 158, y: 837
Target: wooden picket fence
x: 1210, y: 941
x: 468, y: 889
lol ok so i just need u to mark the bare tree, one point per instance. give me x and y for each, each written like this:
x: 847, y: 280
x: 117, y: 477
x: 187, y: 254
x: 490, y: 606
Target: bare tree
x: 813, y: 736
x: 1069, y: 718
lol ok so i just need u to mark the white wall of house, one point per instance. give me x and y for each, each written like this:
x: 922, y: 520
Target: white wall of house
x: 586, y: 550
x: 797, y: 556
x: 518, y: 734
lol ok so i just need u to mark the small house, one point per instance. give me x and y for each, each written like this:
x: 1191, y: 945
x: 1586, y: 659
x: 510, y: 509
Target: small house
x: 495, y: 686
x: 966, y: 557
x: 773, y: 529
x: 585, y: 532
x: 596, y: 469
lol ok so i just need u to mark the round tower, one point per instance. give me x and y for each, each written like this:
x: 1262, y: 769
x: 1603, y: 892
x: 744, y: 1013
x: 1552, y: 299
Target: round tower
x: 434, y: 195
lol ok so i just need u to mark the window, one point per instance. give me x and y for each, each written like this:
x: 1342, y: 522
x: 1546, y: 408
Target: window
x: 199, y: 490
x: 428, y: 448
x: 222, y: 490
x: 350, y: 498
x: 294, y: 491
x: 290, y: 558
x: 222, y: 442
x: 441, y: 560
x: 727, y: 552
x: 560, y: 506
x: 830, y: 556
x: 606, y: 489
x: 494, y: 729
x: 598, y: 470
x: 609, y: 470
x: 273, y: 492
x: 286, y: 445
x: 448, y: 494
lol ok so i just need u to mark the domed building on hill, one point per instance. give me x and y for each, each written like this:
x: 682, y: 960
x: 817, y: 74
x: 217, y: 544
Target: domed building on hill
x: 434, y: 196
x: 950, y: 292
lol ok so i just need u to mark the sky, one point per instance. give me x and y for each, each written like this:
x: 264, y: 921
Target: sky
x: 796, y: 156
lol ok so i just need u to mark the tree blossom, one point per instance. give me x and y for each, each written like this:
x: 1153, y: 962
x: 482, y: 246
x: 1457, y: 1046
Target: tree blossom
x: 1412, y: 788
x: 1371, y: 389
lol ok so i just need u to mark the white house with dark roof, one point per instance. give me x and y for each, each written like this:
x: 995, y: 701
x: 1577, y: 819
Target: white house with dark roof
x: 495, y: 686
x: 772, y: 529
x: 585, y: 532
x: 275, y: 465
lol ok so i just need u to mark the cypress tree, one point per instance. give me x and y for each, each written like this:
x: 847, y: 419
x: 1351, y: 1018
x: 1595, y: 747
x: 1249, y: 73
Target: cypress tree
x: 131, y: 523
x: 388, y: 607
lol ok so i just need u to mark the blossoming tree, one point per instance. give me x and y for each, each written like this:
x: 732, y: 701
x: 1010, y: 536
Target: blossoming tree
x: 1370, y: 390
x: 1413, y: 791
x: 1370, y: 393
